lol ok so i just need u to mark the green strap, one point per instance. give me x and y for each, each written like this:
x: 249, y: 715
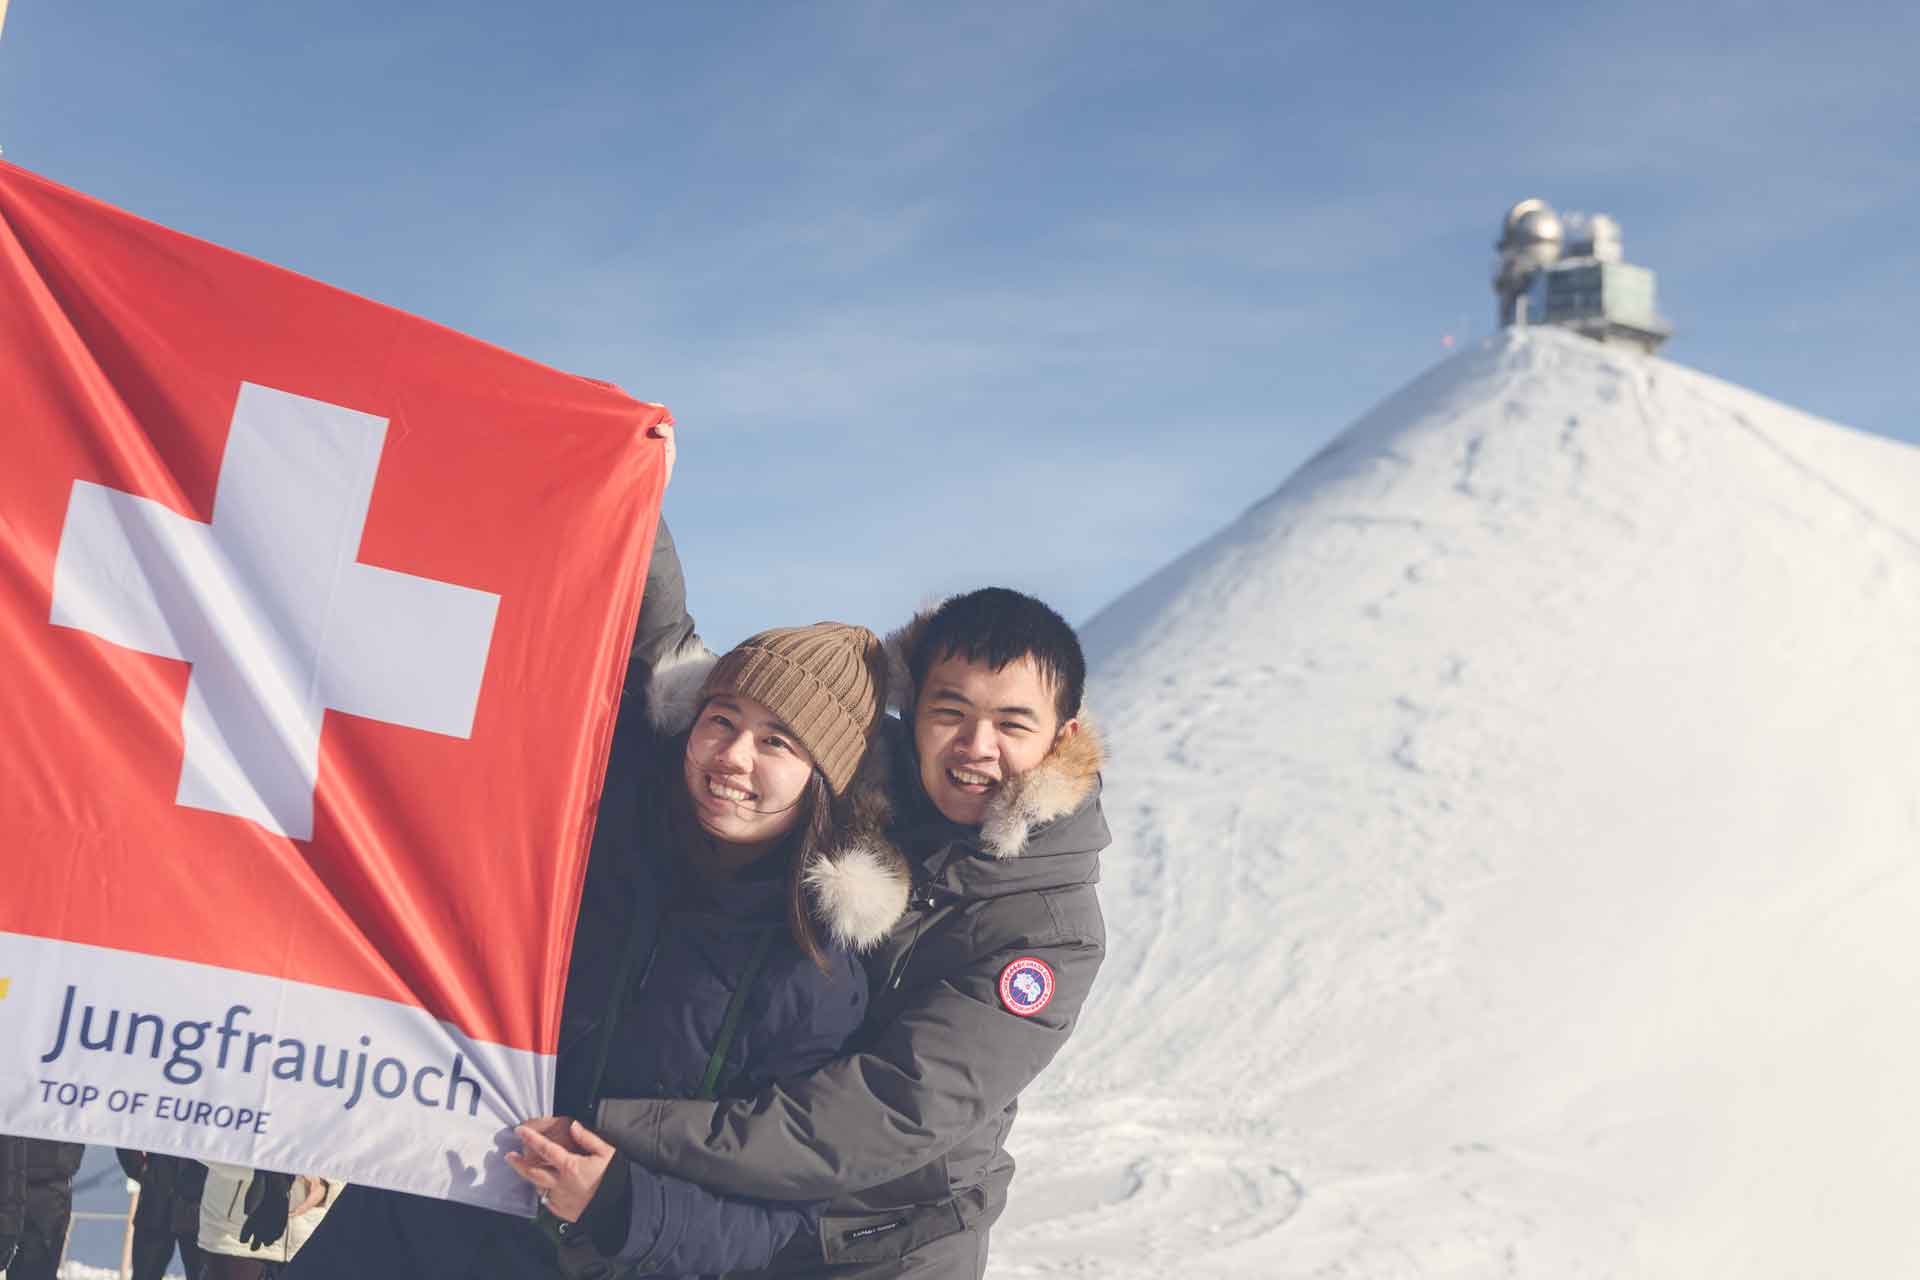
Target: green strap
x: 735, y: 1007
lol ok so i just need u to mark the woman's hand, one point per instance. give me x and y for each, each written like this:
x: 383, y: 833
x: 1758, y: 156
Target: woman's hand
x: 663, y: 431
x: 565, y: 1160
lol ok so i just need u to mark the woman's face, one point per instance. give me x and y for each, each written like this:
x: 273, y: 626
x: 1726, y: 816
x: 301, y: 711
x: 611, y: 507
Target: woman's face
x: 746, y: 772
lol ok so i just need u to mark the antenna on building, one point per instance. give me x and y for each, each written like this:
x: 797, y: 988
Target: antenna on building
x: 1571, y: 272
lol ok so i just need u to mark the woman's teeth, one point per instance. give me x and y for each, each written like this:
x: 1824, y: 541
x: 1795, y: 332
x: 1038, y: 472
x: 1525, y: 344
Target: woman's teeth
x: 968, y: 778
x: 725, y: 792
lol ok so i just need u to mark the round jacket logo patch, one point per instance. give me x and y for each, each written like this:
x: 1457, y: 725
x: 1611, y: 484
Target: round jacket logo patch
x: 1025, y: 986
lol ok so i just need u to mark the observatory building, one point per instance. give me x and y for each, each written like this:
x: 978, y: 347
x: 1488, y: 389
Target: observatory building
x: 1569, y: 272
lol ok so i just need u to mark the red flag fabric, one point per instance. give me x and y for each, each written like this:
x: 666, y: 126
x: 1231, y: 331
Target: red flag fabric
x: 313, y: 617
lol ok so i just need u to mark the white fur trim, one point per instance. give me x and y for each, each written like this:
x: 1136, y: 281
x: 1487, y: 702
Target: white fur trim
x: 1054, y: 788
x: 860, y: 891
x: 673, y: 690
x: 1044, y: 795
x: 1005, y: 831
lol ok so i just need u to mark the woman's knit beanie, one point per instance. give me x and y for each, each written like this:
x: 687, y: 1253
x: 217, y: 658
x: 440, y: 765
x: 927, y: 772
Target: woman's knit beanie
x: 827, y: 682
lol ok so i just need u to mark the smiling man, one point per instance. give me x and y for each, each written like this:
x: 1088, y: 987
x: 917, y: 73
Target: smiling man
x: 1003, y: 689
x: 991, y: 793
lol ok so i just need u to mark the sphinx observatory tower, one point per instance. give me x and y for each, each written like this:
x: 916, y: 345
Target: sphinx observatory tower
x: 1571, y: 272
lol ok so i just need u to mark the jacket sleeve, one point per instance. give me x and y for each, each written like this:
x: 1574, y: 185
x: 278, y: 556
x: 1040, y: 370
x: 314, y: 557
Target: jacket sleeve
x: 132, y: 1163
x: 940, y: 1069
x: 656, y: 1224
x: 665, y: 626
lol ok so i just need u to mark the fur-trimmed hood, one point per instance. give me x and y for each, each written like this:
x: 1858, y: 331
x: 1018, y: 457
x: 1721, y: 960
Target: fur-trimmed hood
x: 860, y: 886
x: 1059, y: 785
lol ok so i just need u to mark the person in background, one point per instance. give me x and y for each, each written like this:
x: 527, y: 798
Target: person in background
x: 168, y: 1212
x: 252, y: 1222
x: 46, y: 1175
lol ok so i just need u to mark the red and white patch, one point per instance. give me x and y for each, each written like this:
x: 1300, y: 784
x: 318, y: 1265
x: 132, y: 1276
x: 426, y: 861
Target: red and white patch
x: 1025, y: 986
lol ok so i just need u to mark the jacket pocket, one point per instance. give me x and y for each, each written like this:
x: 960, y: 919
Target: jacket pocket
x: 868, y: 1231
x: 880, y: 1237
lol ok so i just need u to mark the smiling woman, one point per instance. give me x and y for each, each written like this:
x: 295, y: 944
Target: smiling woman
x: 746, y: 775
x: 783, y: 723
x: 771, y: 704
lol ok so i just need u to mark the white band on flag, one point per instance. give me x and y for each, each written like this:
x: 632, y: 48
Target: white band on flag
x: 107, y: 1046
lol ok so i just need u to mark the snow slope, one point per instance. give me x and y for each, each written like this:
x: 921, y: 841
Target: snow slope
x: 1516, y: 872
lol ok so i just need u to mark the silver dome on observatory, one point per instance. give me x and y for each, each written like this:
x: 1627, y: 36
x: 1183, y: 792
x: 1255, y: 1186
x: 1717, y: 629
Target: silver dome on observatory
x: 1529, y: 240
x: 1532, y: 232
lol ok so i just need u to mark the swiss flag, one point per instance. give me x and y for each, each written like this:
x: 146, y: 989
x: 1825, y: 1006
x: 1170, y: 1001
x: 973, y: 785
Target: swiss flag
x: 313, y: 618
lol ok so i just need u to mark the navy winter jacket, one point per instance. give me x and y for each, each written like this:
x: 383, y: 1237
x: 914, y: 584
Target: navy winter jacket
x: 688, y: 943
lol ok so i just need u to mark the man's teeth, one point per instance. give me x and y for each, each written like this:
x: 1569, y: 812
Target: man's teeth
x: 968, y: 778
x: 726, y: 792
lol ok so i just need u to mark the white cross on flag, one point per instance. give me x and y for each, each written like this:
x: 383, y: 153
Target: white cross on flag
x: 313, y: 617
x: 283, y: 620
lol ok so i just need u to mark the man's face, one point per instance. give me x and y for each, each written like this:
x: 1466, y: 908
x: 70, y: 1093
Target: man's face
x: 976, y: 728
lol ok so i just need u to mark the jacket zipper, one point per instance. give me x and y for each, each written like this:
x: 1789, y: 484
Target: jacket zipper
x: 624, y: 993
x: 920, y: 899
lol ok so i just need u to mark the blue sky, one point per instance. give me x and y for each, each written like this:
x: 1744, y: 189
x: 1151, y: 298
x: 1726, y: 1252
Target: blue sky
x: 1034, y: 294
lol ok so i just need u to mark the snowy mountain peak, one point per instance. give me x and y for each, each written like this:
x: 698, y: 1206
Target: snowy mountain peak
x: 1516, y: 816
x: 1512, y: 425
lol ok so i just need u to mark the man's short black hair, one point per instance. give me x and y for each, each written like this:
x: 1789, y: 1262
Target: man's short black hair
x: 996, y: 627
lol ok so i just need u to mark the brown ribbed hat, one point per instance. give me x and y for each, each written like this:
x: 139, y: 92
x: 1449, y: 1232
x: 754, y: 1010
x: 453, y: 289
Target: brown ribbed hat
x: 828, y: 682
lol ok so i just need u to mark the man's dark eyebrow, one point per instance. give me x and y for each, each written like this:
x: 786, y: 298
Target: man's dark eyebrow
x: 948, y: 694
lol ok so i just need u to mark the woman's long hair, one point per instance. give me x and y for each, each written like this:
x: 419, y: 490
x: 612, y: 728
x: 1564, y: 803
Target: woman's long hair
x: 811, y: 837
